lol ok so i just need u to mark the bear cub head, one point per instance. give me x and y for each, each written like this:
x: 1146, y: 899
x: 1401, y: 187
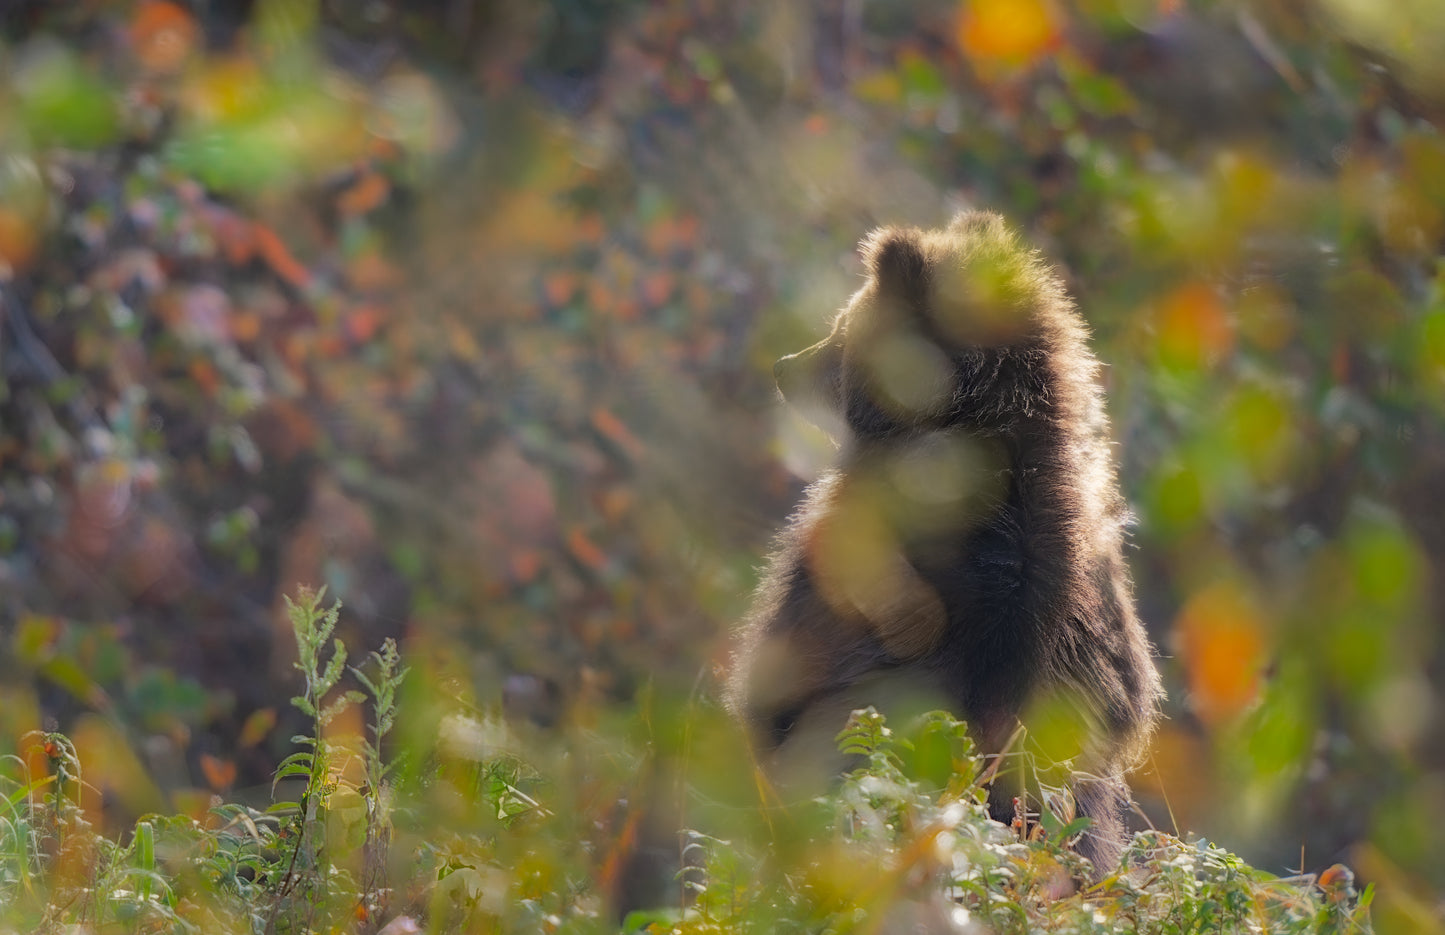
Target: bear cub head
x: 953, y: 329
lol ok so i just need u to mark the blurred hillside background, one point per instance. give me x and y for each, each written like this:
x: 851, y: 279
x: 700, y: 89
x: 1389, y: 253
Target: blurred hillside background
x: 466, y: 309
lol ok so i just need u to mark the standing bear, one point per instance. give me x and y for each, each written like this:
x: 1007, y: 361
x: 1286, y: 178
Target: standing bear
x: 967, y: 551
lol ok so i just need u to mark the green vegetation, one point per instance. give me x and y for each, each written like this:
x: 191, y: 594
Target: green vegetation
x: 287, y: 868
x: 905, y: 838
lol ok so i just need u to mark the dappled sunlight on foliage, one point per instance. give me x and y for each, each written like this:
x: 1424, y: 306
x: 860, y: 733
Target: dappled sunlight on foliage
x: 468, y: 312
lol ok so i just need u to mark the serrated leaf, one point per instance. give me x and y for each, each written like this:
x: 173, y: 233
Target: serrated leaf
x: 864, y: 733
x: 345, y: 700
x: 334, y: 665
x: 365, y: 682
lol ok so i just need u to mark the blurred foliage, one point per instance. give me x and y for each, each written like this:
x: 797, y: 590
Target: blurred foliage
x: 467, y: 308
x: 905, y: 840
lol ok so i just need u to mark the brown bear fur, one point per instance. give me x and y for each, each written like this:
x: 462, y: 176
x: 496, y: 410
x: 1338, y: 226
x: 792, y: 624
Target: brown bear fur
x: 967, y: 551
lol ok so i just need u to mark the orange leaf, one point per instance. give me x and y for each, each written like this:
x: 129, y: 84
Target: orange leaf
x: 205, y: 376
x: 1194, y: 327
x: 277, y: 256
x: 526, y: 563
x: 613, y: 429
x: 245, y: 325
x: 163, y: 35
x: 1335, y: 875
x: 220, y: 774
x: 17, y: 239
x: 367, y: 194
x: 1223, y: 650
x: 585, y: 550
x: 362, y: 323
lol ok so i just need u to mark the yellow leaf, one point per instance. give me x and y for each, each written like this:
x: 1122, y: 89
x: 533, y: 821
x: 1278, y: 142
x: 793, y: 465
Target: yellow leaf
x: 1008, y: 33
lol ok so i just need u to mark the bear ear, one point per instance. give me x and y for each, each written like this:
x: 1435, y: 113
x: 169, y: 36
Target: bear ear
x: 896, y: 262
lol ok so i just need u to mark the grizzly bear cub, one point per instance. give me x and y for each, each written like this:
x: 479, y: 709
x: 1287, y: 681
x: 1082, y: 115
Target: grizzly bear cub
x: 967, y: 551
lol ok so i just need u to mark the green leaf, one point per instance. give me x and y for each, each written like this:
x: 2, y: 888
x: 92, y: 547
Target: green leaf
x: 921, y: 78
x: 365, y: 682
x: 643, y: 919
x: 300, y: 763
x: 61, y: 102
x: 864, y: 733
